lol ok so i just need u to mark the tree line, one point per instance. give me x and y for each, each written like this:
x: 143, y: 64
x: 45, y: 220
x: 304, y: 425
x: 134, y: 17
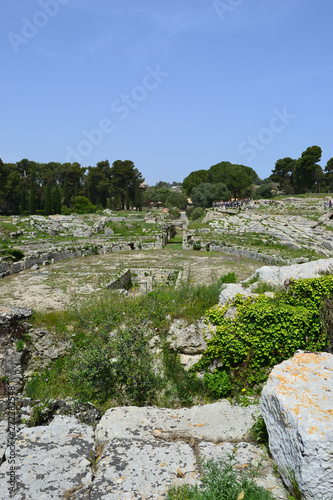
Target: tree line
x: 29, y: 188
x: 302, y: 175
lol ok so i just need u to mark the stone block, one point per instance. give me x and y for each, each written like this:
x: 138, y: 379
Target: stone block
x: 297, y: 406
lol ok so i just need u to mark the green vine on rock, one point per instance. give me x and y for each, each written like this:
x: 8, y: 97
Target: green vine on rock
x: 265, y: 331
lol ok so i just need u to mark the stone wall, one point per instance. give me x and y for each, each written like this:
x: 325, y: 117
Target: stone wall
x: 242, y: 252
x: 55, y: 255
x: 123, y: 280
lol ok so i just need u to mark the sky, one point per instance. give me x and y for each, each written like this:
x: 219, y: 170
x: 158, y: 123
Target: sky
x: 174, y: 86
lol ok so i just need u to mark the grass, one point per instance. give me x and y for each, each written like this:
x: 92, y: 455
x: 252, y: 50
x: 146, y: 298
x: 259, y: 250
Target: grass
x: 220, y: 481
x: 117, y: 328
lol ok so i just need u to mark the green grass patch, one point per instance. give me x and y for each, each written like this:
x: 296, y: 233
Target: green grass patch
x: 109, y: 362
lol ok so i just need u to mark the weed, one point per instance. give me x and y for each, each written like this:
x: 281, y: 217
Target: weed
x: 218, y: 383
x: 220, y: 482
x: 296, y: 492
x: 20, y: 345
x: 259, y: 431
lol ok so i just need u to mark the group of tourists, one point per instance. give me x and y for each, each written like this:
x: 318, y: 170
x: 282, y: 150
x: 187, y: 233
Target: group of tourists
x: 231, y: 203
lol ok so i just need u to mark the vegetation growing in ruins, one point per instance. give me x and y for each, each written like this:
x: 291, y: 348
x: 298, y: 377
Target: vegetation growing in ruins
x: 265, y: 331
x: 109, y: 361
x: 220, y: 480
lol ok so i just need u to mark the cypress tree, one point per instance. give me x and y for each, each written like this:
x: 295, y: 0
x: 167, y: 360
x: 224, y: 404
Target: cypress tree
x: 56, y: 198
x: 48, y: 207
x: 32, y: 194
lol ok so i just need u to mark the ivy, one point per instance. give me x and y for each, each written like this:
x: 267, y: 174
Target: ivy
x: 265, y: 331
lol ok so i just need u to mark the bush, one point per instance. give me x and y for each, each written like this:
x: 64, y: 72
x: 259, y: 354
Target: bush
x: 197, y: 213
x: 221, y: 481
x: 218, y: 383
x: 174, y: 213
x: 266, y: 331
x: 83, y: 205
x: 228, y: 278
x: 20, y: 345
x: 189, y: 212
x: 118, y: 367
x: 66, y: 210
x: 197, y: 245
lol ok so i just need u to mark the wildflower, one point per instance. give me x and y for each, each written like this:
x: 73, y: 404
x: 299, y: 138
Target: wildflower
x: 46, y: 379
x: 243, y: 390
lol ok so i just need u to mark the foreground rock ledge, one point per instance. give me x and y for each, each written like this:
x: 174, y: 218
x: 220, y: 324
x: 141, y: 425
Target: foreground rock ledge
x: 143, y: 451
x: 297, y: 406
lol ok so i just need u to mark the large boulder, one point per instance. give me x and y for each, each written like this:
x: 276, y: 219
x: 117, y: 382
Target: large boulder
x: 278, y: 275
x: 230, y: 291
x: 297, y: 406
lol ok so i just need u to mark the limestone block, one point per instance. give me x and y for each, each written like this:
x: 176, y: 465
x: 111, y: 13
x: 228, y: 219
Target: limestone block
x: 230, y: 291
x: 50, y: 460
x: 135, y: 469
x: 215, y: 422
x: 278, y: 275
x: 297, y: 406
x: 188, y: 339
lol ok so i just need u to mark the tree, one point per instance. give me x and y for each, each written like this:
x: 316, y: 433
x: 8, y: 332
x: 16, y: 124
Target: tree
x: 56, y: 199
x: 9, y: 188
x: 32, y: 193
x: 99, y: 183
x: 329, y: 174
x: 307, y: 171
x: 83, y: 205
x: 240, y: 179
x: 283, y: 173
x: 263, y: 191
x: 176, y: 199
x: 48, y: 207
x: 138, y: 197
x: 194, y: 179
x: 124, y: 177
x: 204, y: 194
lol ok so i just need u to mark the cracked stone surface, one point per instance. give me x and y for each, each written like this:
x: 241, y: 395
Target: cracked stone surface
x: 142, y: 452
x: 49, y: 460
x: 297, y: 405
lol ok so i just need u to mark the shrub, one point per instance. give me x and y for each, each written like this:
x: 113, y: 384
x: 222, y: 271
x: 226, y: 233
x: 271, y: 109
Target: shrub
x: 174, y: 213
x: 266, y: 331
x: 259, y: 431
x: 20, y: 345
x: 189, y: 212
x: 66, y: 210
x: 197, y: 213
x: 228, y: 278
x: 218, y: 383
x: 14, y: 254
x: 83, y: 205
x: 119, y: 368
x: 221, y: 481
x: 197, y: 245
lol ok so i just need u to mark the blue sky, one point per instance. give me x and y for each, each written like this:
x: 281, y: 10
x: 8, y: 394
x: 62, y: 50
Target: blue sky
x: 173, y: 86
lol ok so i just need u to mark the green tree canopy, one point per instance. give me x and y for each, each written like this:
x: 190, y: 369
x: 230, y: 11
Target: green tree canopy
x: 176, y: 199
x: 204, y: 194
x: 125, y: 176
x: 307, y: 171
x: 194, y: 179
x: 283, y: 173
